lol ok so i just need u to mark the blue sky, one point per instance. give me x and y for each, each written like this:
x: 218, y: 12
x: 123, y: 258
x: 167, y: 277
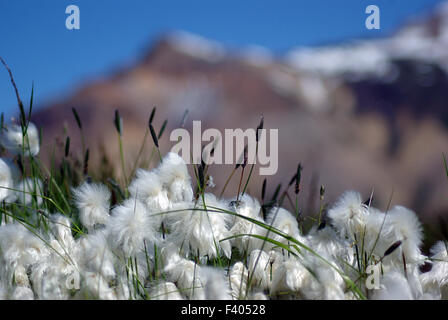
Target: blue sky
x: 38, y: 47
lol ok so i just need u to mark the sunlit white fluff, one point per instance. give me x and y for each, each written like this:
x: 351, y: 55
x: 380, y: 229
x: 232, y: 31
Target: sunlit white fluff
x: 165, y: 291
x: 435, y: 282
x: 284, y: 221
x: 393, y: 286
x: 187, y: 275
x: 22, y: 293
x: 95, y: 255
x: 148, y: 189
x: 292, y: 279
x: 238, y: 277
x: 259, y: 266
x: 13, y: 140
x: 92, y: 201
x: 216, y: 286
x: 61, y: 234
x: 404, y: 225
x: 94, y: 286
x: 27, y: 188
x: 130, y: 227
x: 19, y: 249
x: 173, y: 173
x: 200, y: 231
x: 7, y: 175
x: 349, y: 214
x: 250, y: 208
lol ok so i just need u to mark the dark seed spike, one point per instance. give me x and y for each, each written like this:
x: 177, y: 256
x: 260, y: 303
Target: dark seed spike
x: 77, y: 118
x: 154, y: 135
x: 392, y: 248
x: 2, y: 121
x: 162, y: 129
x: 20, y: 164
x: 293, y: 179
x: 118, y: 122
x: 322, y: 192
x: 245, y: 157
x: 19, y: 101
x: 322, y: 225
x: 67, y: 146
x: 260, y: 127
x: 368, y: 201
x: 299, y: 177
x: 277, y: 190
x: 86, y: 163
x: 184, y: 118
x: 201, y: 177
x: 151, y: 117
x: 263, y: 190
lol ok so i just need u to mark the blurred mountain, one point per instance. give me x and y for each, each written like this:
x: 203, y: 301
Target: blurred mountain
x: 364, y: 115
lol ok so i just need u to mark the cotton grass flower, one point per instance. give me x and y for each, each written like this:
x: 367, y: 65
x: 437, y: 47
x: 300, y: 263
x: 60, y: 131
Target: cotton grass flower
x: 28, y: 189
x: 238, y: 278
x: 148, y: 189
x: 130, y: 227
x: 349, y: 214
x: 165, y: 291
x: 435, y: 282
x: 250, y: 208
x: 200, y: 231
x: 13, y: 140
x: 187, y: 275
x: 92, y: 201
x: 7, y: 177
x: 173, y: 173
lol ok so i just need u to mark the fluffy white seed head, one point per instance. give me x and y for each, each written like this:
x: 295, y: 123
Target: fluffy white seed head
x: 13, y: 140
x: 130, y: 228
x: 27, y: 188
x: 8, y: 173
x: 165, y: 291
x: 200, y: 231
x: 173, y: 173
x: 238, y: 277
x: 248, y: 207
x: 92, y: 201
x: 148, y: 188
x: 349, y: 214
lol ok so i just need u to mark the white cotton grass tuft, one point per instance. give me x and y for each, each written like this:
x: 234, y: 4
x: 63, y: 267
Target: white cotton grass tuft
x: 238, y: 278
x: 13, y: 140
x: 284, y: 221
x: 95, y: 255
x: 165, y: 291
x: 291, y: 278
x: 349, y: 214
x: 403, y: 225
x: 216, y: 286
x: 260, y: 268
x: 148, y: 189
x: 187, y: 275
x: 394, y: 286
x: 131, y: 228
x: 199, y: 231
x: 250, y: 208
x: 435, y: 282
x: 173, y: 173
x: 92, y: 201
x: 19, y: 248
x: 27, y: 189
x: 8, y: 174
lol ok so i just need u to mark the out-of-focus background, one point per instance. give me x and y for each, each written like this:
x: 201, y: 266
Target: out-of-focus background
x: 360, y: 109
